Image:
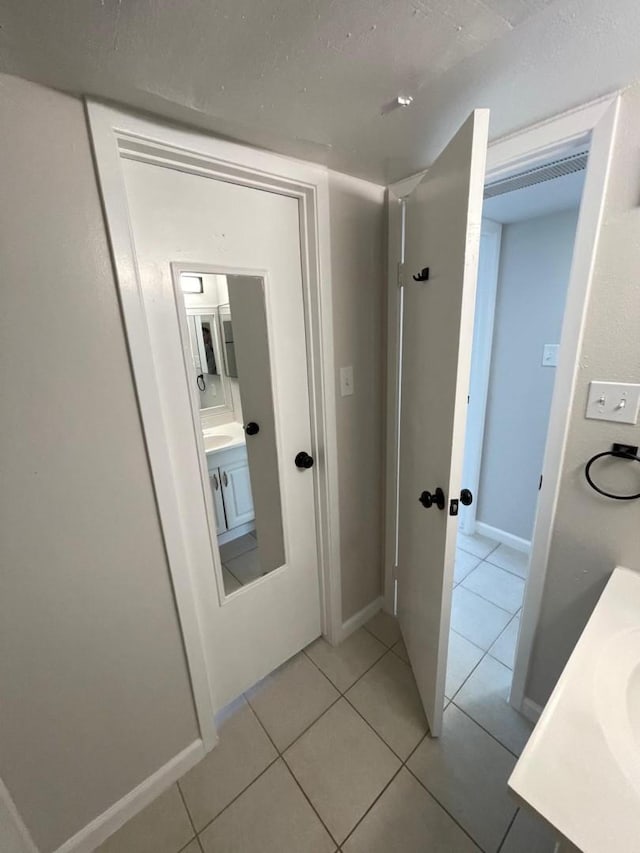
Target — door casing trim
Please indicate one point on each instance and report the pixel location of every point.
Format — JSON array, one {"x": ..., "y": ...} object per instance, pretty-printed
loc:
[
  {"x": 116, "y": 133},
  {"x": 529, "y": 147}
]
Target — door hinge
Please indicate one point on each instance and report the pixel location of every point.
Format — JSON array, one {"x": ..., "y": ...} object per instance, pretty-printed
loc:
[
  {"x": 400, "y": 274},
  {"x": 394, "y": 573},
  {"x": 540, "y": 483}
]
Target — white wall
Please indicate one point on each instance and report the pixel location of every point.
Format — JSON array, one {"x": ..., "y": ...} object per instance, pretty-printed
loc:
[
  {"x": 357, "y": 258},
  {"x": 535, "y": 261},
  {"x": 591, "y": 534},
  {"x": 95, "y": 689}
]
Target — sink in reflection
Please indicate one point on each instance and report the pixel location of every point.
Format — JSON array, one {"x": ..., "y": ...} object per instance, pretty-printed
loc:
[{"x": 214, "y": 442}]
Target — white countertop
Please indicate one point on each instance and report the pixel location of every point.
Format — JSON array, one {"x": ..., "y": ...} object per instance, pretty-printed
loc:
[
  {"x": 223, "y": 437},
  {"x": 580, "y": 769}
]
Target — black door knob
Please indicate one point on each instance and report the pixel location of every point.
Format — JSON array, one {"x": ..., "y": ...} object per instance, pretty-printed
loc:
[
  {"x": 252, "y": 428},
  {"x": 427, "y": 499},
  {"x": 466, "y": 498},
  {"x": 303, "y": 460}
]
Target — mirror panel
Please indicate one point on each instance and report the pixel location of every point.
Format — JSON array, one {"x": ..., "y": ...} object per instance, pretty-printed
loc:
[{"x": 230, "y": 353}]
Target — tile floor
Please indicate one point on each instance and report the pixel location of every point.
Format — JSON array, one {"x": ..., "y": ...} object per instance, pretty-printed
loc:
[
  {"x": 240, "y": 562},
  {"x": 487, "y": 598},
  {"x": 331, "y": 753}
]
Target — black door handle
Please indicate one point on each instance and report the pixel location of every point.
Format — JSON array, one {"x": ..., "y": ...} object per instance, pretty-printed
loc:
[
  {"x": 427, "y": 499},
  {"x": 252, "y": 428},
  {"x": 303, "y": 460},
  {"x": 466, "y": 498}
]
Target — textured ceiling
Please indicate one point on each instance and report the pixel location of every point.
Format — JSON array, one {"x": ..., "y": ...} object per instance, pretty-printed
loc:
[{"x": 312, "y": 78}]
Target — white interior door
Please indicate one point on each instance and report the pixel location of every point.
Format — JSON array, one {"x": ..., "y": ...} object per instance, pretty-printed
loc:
[
  {"x": 443, "y": 220},
  {"x": 187, "y": 219},
  {"x": 488, "y": 266}
]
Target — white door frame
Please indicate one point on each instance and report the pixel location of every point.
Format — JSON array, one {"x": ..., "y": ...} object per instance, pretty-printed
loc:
[
  {"x": 116, "y": 134},
  {"x": 524, "y": 149},
  {"x": 490, "y": 237}
]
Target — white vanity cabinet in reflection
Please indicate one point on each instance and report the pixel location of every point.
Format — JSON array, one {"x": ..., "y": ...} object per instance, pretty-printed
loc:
[{"x": 231, "y": 490}]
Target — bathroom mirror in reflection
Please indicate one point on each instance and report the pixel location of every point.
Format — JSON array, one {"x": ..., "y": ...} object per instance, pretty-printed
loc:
[{"x": 229, "y": 341}]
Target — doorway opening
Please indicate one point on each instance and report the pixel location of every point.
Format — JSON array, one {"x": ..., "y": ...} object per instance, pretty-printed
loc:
[{"x": 526, "y": 249}]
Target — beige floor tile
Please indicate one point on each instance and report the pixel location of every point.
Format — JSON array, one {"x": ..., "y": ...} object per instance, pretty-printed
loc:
[
  {"x": 237, "y": 546},
  {"x": 231, "y": 584},
  {"x": 385, "y": 627},
  {"x": 408, "y": 820},
  {"x": 464, "y": 563},
  {"x": 510, "y": 559},
  {"x": 387, "y": 697},
  {"x": 161, "y": 827},
  {"x": 479, "y": 546},
  {"x": 485, "y": 698},
  {"x": 529, "y": 834},
  {"x": 291, "y": 698},
  {"x": 498, "y": 586},
  {"x": 466, "y": 770},
  {"x": 477, "y": 619},
  {"x": 193, "y": 847},
  {"x": 401, "y": 650},
  {"x": 463, "y": 657},
  {"x": 342, "y": 766},
  {"x": 504, "y": 648},
  {"x": 243, "y": 752},
  {"x": 271, "y": 816},
  {"x": 246, "y": 567},
  {"x": 344, "y": 664}
]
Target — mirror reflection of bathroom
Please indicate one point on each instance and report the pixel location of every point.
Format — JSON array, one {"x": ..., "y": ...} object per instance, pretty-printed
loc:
[{"x": 229, "y": 343}]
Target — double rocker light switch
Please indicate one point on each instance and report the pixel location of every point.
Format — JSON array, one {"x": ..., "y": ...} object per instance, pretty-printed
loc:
[{"x": 614, "y": 401}]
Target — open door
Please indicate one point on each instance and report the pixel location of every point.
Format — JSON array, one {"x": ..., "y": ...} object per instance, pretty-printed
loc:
[{"x": 442, "y": 241}]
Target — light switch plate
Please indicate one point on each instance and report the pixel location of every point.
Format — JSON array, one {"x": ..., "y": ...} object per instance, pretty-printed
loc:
[
  {"x": 550, "y": 355},
  {"x": 613, "y": 401},
  {"x": 346, "y": 381}
]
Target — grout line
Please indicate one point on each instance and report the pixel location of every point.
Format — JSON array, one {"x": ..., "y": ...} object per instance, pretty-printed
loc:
[
  {"x": 479, "y": 648},
  {"x": 488, "y": 600},
  {"x": 486, "y": 731},
  {"x": 306, "y": 796},
  {"x": 496, "y": 566},
  {"x": 508, "y": 571},
  {"x": 358, "y": 678},
  {"x": 188, "y": 844},
  {"x": 286, "y": 764},
  {"x": 476, "y": 555},
  {"x": 376, "y": 733},
  {"x": 376, "y": 637},
  {"x": 359, "y": 821},
  {"x": 237, "y": 797},
  {"x": 186, "y": 807},
  {"x": 513, "y": 820},
  {"x": 442, "y": 806}
]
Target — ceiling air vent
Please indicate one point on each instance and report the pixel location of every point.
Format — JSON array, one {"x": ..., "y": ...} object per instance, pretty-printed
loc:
[{"x": 537, "y": 175}]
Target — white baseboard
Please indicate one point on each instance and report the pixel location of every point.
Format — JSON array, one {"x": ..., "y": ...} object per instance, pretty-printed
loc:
[
  {"x": 531, "y": 710},
  {"x": 358, "y": 619},
  {"x": 503, "y": 537},
  {"x": 94, "y": 833}
]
